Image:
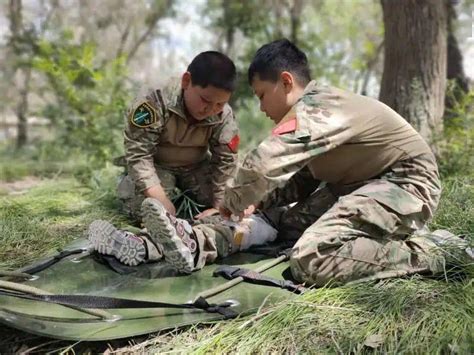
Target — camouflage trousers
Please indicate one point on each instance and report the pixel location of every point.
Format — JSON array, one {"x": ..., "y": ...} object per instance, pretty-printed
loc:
[
  {"x": 195, "y": 179},
  {"x": 344, "y": 233}
]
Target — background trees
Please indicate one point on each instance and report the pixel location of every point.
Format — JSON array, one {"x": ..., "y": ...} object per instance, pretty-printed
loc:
[
  {"x": 77, "y": 63},
  {"x": 414, "y": 76}
]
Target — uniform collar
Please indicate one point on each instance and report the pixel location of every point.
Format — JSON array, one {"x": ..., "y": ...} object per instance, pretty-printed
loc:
[
  {"x": 311, "y": 88},
  {"x": 175, "y": 104},
  {"x": 175, "y": 99}
]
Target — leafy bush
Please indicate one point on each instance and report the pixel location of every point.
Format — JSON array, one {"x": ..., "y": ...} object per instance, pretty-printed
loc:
[
  {"x": 90, "y": 97},
  {"x": 458, "y": 141}
]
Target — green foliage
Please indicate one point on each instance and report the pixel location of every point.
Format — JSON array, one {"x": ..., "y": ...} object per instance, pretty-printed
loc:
[
  {"x": 457, "y": 157},
  {"x": 43, "y": 159},
  {"x": 186, "y": 206},
  {"x": 342, "y": 45},
  {"x": 253, "y": 125},
  {"x": 103, "y": 184},
  {"x": 90, "y": 97}
]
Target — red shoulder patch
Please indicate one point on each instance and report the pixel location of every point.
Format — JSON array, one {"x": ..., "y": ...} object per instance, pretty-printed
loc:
[
  {"x": 234, "y": 143},
  {"x": 287, "y": 127}
]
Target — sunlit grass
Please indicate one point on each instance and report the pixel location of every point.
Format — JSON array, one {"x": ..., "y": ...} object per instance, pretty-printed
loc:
[
  {"x": 404, "y": 315},
  {"x": 411, "y": 315},
  {"x": 47, "y": 217}
]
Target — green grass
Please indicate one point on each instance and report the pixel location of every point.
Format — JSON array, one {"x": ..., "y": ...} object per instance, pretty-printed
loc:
[
  {"x": 396, "y": 316},
  {"x": 456, "y": 208},
  {"x": 48, "y": 217},
  {"x": 411, "y": 315},
  {"x": 41, "y": 160}
]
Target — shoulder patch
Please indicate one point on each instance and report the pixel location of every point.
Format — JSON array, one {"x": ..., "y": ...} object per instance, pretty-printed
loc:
[
  {"x": 234, "y": 143},
  {"x": 287, "y": 127},
  {"x": 143, "y": 116}
]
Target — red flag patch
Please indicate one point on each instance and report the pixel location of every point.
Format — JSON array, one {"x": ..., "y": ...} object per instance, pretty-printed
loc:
[
  {"x": 287, "y": 127},
  {"x": 234, "y": 143}
]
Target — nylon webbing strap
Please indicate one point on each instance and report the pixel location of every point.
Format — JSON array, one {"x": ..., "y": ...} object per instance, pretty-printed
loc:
[
  {"x": 251, "y": 276},
  {"x": 53, "y": 260},
  {"x": 102, "y": 302}
]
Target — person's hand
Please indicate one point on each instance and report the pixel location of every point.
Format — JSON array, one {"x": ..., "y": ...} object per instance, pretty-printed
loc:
[
  {"x": 227, "y": 214},
  {"x": 158, "y": 193},
  {"x": 206, "y": 213},
  {"x": 249, "y": 210},
  {"x": 169, "y": 206}
]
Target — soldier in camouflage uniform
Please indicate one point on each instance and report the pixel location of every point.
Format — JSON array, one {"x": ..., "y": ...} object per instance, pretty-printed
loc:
[
  {"x": 184, "y": 136},
  {"x": 364, "y": 181},
  {"x": 361, "y": 183}
]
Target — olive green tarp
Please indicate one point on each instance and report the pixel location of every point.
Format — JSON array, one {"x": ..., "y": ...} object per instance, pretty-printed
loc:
[{"x": 76, "y": 275}]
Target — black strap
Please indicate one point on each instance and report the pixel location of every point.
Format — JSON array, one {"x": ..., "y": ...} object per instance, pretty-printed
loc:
[
  {"x": 272, "y": 249},
  {"x": 251, "y": 276},
  {"x": 102, "y": 302},
  {"x": 51, "y": 261}
]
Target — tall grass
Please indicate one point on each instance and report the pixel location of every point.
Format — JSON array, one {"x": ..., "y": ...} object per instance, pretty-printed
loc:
[
  {"x": 395, "y": 316},
  {"x": 411, "y": 315},
  {"x": 51, "y": 215}
]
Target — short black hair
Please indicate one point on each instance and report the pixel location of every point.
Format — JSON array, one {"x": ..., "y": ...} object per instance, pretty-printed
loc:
[
  {"x": 213, "y": 68},
  {"x": 275, "y": 57}
]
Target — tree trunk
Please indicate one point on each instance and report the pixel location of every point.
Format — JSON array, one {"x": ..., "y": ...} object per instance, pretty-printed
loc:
[
  {"x": 455, "y": 71},
  {"x": 229, "y": 30},
  {"x": 22, "y": 109},
  {"x": 296, "y": 8},
  {"x": 16, "y": 30},
  {"x": 414, "y": 76}
]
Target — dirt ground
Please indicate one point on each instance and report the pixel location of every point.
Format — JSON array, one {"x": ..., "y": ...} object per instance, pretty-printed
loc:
[{"x": 19, "y": 187}]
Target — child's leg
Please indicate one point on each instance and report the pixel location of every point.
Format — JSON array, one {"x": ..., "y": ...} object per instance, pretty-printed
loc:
[
  {"x": 130, "y": 248},
  {"x": 189, "y": 248},
  {"x": 223, "y": 238}
]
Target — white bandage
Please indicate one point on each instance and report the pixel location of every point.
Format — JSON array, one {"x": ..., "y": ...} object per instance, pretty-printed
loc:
[{"x": 251, "y": 231}]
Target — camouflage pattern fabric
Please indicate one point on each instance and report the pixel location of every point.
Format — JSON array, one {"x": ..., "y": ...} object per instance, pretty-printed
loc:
[
  {"x": 381, "y": 186},
  {"x": 219, "y": 238},
  {"x": 341, "y": 137},
  {"x": 341, "y": 238},
  {"x": 196, "y": 179},
  {"x": 159, "y": 134},
  {"x": 367, "y": 232}
]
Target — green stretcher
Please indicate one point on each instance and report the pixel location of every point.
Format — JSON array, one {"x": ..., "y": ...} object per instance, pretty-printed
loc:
[{"x": 84, "y": 274}]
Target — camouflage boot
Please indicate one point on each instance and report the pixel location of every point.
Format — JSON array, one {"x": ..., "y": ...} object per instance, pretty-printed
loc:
[
  {"x": 130, "y": 249},
  {"x": 173, "y": 234}
]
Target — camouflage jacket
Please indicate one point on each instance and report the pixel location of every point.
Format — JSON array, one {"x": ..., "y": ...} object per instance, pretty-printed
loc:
[
  {"x": 341, "y": 137},
  {"x": 158, "y": 132}
]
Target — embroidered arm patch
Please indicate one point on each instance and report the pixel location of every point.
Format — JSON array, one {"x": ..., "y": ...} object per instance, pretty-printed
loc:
[
  {"x": 234, "y": 143},
  {"x": 143, "y": 116}
]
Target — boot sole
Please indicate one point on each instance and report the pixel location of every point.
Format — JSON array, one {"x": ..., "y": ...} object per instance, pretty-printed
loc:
[
  {"x": 108, "y": 240},
  {"x": 159, "y": 226}
]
